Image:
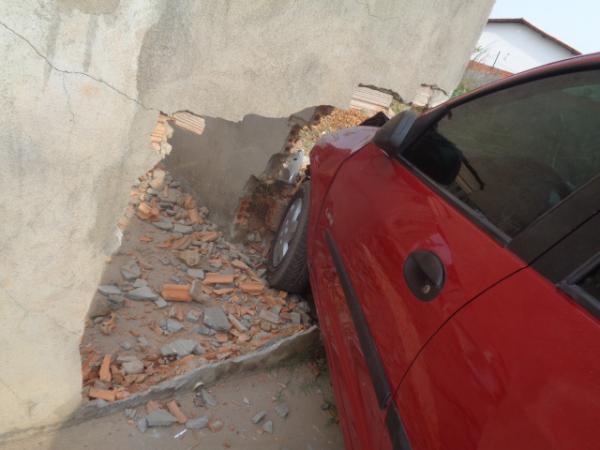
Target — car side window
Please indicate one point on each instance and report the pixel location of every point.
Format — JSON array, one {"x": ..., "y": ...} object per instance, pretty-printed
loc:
[{"x": 514, "y": 154}]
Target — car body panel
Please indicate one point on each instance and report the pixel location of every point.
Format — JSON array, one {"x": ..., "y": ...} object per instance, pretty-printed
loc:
[
  {"x": 364, "y": 211},
  {"x": 517, "y": 368},
  {"x": 497, "y": 359}
]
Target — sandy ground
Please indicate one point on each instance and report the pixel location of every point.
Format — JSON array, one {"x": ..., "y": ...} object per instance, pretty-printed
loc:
[{"x": 311, "y": 423}]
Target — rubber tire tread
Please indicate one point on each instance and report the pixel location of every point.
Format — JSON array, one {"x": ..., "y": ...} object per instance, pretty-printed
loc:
[{"x": 292, "y": 273}]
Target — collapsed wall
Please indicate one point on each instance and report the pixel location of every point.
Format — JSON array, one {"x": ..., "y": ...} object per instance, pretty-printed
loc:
[{"x": 82, "y": 83}]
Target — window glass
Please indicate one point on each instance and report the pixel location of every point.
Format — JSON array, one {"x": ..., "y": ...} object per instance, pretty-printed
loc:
[{"x": 514, "y": 154}]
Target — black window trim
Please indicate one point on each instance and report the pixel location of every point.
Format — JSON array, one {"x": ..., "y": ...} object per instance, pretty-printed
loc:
[
  {"x": 520, "y": 243},
  {"x": 570, "y": 285}
]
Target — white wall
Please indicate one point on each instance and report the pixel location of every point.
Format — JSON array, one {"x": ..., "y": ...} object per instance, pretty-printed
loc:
[{"x": 515, "y": 47}]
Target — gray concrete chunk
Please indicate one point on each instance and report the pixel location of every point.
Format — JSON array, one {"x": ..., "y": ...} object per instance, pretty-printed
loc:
[
  {"x": 258, "y": 417},
  {"x": 269, "y": 316},
  {"x": 140, "y": 282},
  {"x": 160, "y": 418},
  {"x": 161, "y": 303},
  {"x": 131, "y": 270},
  {"x": 268, "y": 427},
  {"x": 183, "y": 229},
  {"x": 196, "y": 273},
  {"x": 180, "y": 348},
  {"x": 133, "y": 366},
  {"x": 208, "y": 399},
  {"x": 109, "y": 289},
  {"x": 163, "y": 224},
  {"x": 282, "y": 409},
  {"x": 215, "y": 318},
  {"x": 198, "y": 423},
  {"x": 142, "y": 293},
  {"x": 142, "y": 425},
  {"x": 171, "y": 325},
  {"x": 205, "y": 331}
]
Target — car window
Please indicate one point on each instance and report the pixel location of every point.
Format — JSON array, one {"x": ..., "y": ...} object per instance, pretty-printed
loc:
[{"x": 516, "y": 153}]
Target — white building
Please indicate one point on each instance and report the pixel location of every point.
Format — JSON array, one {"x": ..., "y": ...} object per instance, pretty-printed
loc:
[{"x": 514, "y": 45}]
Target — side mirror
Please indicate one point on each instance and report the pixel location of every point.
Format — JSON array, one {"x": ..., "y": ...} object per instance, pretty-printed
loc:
[{"x": 391, "y": 135}]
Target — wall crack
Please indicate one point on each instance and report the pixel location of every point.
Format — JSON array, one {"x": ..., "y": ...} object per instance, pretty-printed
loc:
[{"x": 75, "y": 72}]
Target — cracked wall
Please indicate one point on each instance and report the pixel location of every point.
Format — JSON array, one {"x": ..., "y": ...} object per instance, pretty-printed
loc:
[{"x": 81, "y": 85}]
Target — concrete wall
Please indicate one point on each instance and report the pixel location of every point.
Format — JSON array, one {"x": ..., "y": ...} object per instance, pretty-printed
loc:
[{"x": 81, "y": 83}]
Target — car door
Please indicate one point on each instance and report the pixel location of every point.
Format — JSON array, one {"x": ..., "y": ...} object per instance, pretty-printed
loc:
[
  {"x": 413, "y": 240},
  {"x": 518, "y": 367}
]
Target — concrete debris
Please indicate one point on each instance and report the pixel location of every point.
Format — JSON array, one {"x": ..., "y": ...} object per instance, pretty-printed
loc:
[
  {"x": 205, "y": 331},
  {"x": 109, "y": 289},
  {"x": 181, "y": 348},
  {"x": 160, "y": 418},
  {"x": 171, "y": 325},
  {"x": 142, "y": 424},
  {"x": 142, "y": 293},
  {"x": 172, "y": 255},
  {"x": 130, "y": 413},
  {"x": 133, "y": 366},
  {"x": 157, "y": 181},
  {"x": 131, "y": 270},
  {"x": 215, "y": 425},
  {"x": 163, "y": 224},
  {"x": 258, "y": 417},
  {"x": 268, "y": 427},
  {"x": 183, "y": 229},
  {"x": 196, "y": 273},
  {"x": 207, "y": 398},
  {"x": 282, "y": 409},
  {"x": 215, "y": 318},
  {"x": 269, "y": 316},
  {"x": 161, "y": 303},
  {"x": 190, "y": 257},
  {"x": 193, "y": 316},
  {"x": 140, "y": 282},
  {"x": 198, "y": 423}
]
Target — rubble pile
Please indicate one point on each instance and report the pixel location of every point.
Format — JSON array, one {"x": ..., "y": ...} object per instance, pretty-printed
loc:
[{"x": 176, "y": 296}]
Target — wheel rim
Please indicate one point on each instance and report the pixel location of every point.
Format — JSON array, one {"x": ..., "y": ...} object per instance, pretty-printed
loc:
[{"x": 287, "y": 231}]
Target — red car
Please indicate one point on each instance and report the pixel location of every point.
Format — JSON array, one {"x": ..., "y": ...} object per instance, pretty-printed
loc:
[{"x": 454, "y": 259}]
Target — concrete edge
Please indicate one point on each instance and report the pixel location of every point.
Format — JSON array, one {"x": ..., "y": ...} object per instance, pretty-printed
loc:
[{"x": 270, "y": 355}]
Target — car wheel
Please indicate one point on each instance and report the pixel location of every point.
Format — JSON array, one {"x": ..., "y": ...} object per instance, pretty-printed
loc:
[{"x": 287, "y": 267}]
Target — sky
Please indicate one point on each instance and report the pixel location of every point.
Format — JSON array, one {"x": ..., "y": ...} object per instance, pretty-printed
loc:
[{"x": 575, "y": 22}]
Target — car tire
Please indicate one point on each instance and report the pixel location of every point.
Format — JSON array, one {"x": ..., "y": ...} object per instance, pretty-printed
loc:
[{"x": 287, "y": 266}]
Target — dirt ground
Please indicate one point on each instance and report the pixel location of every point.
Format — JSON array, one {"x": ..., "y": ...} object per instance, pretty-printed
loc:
[{"x": 303, "y": 387}]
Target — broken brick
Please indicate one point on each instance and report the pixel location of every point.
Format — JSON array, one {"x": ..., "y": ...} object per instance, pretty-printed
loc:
[
  {"x": 217, "y": 278},
  {"x": 152, "y": 405},
  {"x": 147, "y": 212},
  {"x": 174, "y": 409},
  {"x": 176, "y": 292},
  {"x": 252, "y": 287},
  {"x": 104, "y": 394},
  {"x": 194, "y": 216},
  {"x": 239, "y": 264},
  {"x": 206, "y": 236},
  {"x": 104, "y": 372}
]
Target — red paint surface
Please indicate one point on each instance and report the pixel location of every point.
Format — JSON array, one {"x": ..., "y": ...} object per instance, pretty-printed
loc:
[
  {"x": 516, "y": 369},
  {"x": 378, "y": 213},
  {"x": 500, "y": 360}
]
